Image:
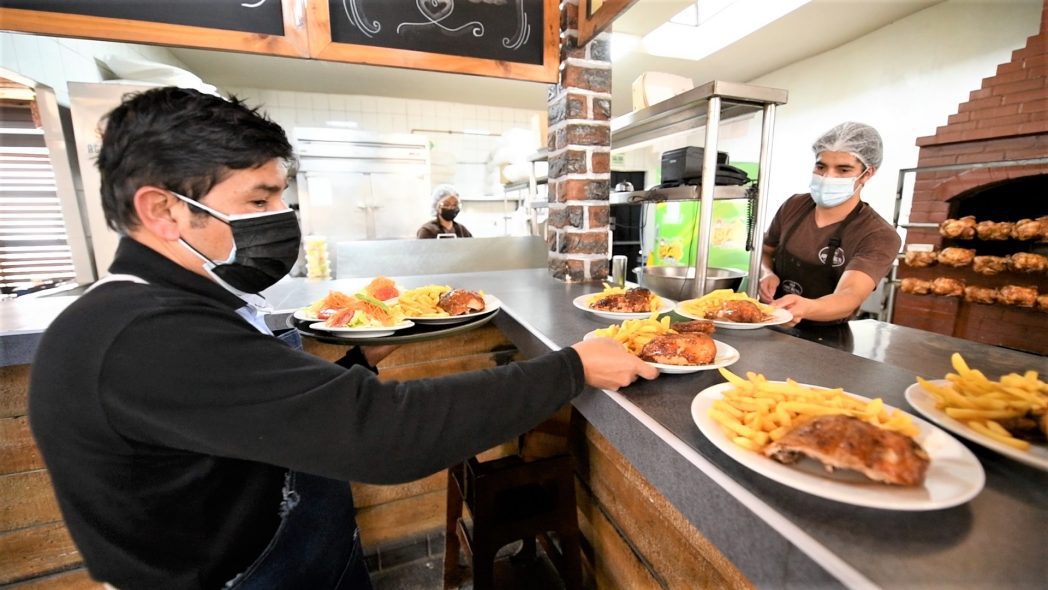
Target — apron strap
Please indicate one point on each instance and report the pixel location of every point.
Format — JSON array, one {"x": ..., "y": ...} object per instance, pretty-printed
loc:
[{"x": 835, "y": 241}]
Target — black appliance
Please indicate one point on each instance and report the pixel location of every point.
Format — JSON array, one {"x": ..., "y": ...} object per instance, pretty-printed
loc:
[
  {"x": 626, "y": 221},
  {"x": 685, "y": 163}
]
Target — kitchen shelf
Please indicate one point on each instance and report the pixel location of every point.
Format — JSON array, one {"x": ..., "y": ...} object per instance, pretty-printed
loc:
[
  {"x": 677, "y": 193},
  {"x": 690, "y": 110},
  {"x": 705, "y": 107}
]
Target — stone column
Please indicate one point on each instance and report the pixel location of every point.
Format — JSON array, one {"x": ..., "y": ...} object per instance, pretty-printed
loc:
[{"x": 579, "y": 144}]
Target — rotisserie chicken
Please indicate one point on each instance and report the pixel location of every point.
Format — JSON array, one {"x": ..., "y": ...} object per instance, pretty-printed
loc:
[
  {"x": 956, "y": 256},
  {"x": 634, "y": 300},
  {"x": 990, "y": 265},
  {"x": 915, "y": 286},
  {"x": 689, "y": 348},
  {"x": 948, "y": 287},
  {"x": 1028, "y": 262},
  {"x": 1017, "y": 295},
  {"x": 987, "y": 295},
  {"x": 843, "y": 442},
  {"x": 963, "y": 228},
  {"x": 700, "y": 326},
  {"x": 1042, "y": 305},
  {"x": 460, "y": 302},
  {"x": 1031, "y": 229},
  {"x": 743, "y": 312},
  {"x": 994, "y": 230},
  {"x": 920, "y": 259}
]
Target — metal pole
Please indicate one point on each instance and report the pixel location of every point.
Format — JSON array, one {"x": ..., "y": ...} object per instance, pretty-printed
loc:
[
  {"x": 763, "y": 174},
  {"x": 709, "y": 178}
]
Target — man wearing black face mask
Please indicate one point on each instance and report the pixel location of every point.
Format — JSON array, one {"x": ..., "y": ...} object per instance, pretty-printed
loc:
[
  {"x": 446, "y": 204},
  {"x": 191, "y": 448}
]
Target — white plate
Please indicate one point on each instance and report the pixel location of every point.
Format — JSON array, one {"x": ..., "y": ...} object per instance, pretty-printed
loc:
[
  {"x": 368, "y": 332},
  {"x": 491, "y": 303},
  {"x": 779, "y": 316},
  {"x": 665, "y": 306},
  {"x": 953, "y": 477},
  {"x": 924, "y": 402},
  {"x": 726, "y": 355}
]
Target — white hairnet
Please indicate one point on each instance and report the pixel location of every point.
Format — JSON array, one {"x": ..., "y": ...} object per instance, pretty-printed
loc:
[
  {"x": 441, "y": 191},
  {"x": 857, "y": 139}
]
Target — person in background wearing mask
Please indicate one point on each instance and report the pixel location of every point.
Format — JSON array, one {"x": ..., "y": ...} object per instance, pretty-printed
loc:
[
  {"x": 825, "y": 251},
  {"x": 446, "y": 205},
  {"x": 190, "y": 447}
]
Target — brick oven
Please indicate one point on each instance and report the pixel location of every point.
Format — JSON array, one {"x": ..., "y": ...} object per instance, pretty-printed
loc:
[{"x": 995, "y": 149}]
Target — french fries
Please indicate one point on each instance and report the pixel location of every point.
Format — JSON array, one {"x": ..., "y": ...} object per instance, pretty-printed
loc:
[
  {"x": 422, "y": 301},
  {"x": 982, "y": 404},
  {"x": 653, "y": 299},
  {"x": 756, "y": 411},
  {"x": 634, "y": 334},
  {"x": 714, "y": 300}
]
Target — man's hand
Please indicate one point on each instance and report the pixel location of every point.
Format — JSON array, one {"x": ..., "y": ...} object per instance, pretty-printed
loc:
[
  {"x": 767, "y": 286},
  {"x": 609, "y": 366},
  {"x": 799, "y": 306}
]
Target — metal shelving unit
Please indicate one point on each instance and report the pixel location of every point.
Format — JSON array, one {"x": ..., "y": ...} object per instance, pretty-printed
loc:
[{"x": 706, "y": 106}]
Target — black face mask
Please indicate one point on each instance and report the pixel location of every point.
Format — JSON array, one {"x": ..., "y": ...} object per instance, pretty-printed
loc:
[
  {"x": 265, "y": 247},
  {"x": 449, "y": 214}
]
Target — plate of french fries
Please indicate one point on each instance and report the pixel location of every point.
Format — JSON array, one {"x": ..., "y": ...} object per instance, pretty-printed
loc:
[
  {"x": 633, "y": 334},
  {"x": 710, "y": 303},
  {"x": 420, "y": 306},
  {"x": 1004, "y": 415},
  {"x": 746, "y": 413}
]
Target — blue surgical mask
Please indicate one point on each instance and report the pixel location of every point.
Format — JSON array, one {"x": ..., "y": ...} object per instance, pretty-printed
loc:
[{"x": 829, "y": 191}]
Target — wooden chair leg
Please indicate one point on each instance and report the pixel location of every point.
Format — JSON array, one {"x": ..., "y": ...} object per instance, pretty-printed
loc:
[{"x": 452, "y": 575}]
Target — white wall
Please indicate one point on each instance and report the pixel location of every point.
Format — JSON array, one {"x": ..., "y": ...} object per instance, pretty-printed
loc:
[
  {"x": 54, "y": 61},
  {"x": 904, "y": 79}
]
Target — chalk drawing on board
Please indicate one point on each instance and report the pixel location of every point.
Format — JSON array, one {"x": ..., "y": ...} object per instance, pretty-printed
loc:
[
  {"x": 523, "y": 31},
  {"x": 435, "y": 11},
  {"x": 357, "y": 18}
]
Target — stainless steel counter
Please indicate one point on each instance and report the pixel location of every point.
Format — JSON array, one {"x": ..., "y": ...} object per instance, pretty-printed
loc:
[{"x": 777, "y": 536}]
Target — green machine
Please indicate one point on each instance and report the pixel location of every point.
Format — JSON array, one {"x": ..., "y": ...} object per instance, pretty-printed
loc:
[{"x": 676, "y": 231}]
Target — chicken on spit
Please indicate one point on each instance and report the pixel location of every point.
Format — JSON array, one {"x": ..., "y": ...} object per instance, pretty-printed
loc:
[
  {"x": 919, "y": 259},
  {"x": 1042, "y": 305},
  {"x": 994, "y": 230},
  {"x": 915, "y": 286},
  {"x": 956, "y": 256},
  {"x": 1031, "y": 229},
  {"x": 990, "y": 265},
  {"x": 963, "y": 228},
  {"x": 1028, "y": 262},
  {"x": 987, "y": 295},
  {"x": 948, "y": 287},
  {"x": 1017, "y": 295}
]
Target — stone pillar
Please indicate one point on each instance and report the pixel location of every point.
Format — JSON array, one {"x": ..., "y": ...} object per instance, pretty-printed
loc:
[{"x": 579, "y": 144}]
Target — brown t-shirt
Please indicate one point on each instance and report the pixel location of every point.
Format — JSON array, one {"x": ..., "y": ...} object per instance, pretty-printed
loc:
[
  {"x": 431, "y": 229},
  {"x": 869, "y": 243}
]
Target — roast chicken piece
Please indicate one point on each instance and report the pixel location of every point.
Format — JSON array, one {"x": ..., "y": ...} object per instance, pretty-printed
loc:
[
  {"x": 994, "y": 230},
  {"x": 1031, "y": 229},
  {"x": 461, "y": 301},
  {"x": 689, "y": 348},
  {"x": 843, "y": 442},
  {"x": 956, "y": 256},
  {"x": 948, "y": 287},
  {"x": 743, "y": 312},
  {"x": 919, "y": 259},
  {"x": 1042, "y": 305},
  {"x": 990, "y": 265},
  {"x": 1017, "y": 295},
  {"x": 1028, "y": 262},
  {"x": 973, "y": 294},
  {"x": 915, "y": 286},
  {"x": 700, "y": 326},
  {"x": 963, "y": 228},
  {"x": 634, "y": 300}
]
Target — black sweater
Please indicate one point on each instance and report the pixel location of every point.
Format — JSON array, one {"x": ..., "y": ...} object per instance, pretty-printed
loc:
[{"x": 167, "y": 423}]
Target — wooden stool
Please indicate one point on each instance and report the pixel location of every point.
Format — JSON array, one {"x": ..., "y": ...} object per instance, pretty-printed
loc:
[{"x": 511, "y": 500}]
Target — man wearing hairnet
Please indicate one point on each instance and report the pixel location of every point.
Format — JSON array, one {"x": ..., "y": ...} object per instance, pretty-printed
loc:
[
  {"x": 446, "y": 206},
  {"x": 825, "y": 251}
]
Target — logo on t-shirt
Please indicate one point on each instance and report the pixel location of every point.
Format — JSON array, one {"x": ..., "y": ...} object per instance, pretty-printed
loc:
[
  {"x": 838, "y": 256},
  {"x": 794, "y": 287}
]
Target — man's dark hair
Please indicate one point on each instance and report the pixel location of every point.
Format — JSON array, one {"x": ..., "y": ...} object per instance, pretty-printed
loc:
[{"x": 181, "y": 140}]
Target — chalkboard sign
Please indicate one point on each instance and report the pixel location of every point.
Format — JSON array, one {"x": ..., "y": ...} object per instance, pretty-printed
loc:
[
  {"x": 248, "y": 16},
  {"x": 510, "y": 30}
]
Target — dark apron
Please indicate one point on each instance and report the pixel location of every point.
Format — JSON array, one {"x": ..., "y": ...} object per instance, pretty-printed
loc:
[
  {"x": 809, "y": 280},
  {"x": 317, "y": 544}
]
